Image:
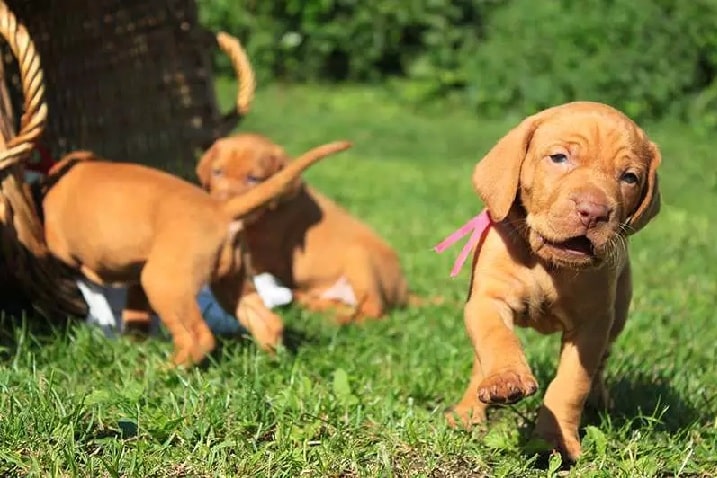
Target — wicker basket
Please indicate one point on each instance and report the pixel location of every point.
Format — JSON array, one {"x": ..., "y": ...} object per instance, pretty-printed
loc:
[{"x": 129, "y": 79}]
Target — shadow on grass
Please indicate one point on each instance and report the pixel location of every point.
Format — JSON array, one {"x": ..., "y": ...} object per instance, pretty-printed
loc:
[
  {"x": 126, "y": 429},
  {"x": 22, "y": 327},
  {"x": 294, "y": 340},
  {"x": 639, "y": 402}
]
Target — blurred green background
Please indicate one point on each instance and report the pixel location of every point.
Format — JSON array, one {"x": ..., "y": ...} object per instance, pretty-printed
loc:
[{"x": 651, "y": 58}]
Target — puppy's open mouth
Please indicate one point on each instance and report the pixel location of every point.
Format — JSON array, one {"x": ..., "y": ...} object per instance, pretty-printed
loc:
[{"x": 578, "y": 245}]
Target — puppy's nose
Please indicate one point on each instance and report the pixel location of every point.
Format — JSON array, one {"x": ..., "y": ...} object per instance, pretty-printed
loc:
[{"x": 592, "y": 210}]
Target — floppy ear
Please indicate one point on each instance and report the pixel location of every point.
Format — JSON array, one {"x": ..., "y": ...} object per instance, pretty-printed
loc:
[
  {"x": 277, "y": 161},
  {"x": 274, "y": 161},
  {"x": 496, "y": 176},
  {"x": 651, "y": 202},
  {"x": 204, "y": 167}
]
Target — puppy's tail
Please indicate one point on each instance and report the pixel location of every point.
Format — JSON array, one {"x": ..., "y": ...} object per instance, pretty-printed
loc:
[
  {"x": 243, "y": 69},
  {"x": 69, "y": 160},
  {"x": 280, "y": 182}
]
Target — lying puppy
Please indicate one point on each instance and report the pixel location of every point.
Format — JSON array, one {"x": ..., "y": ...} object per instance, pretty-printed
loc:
[
  {"x": 563, "y": 191},
  {"x": 327, "y": 257},
  {"x": 130, "y": 224}
]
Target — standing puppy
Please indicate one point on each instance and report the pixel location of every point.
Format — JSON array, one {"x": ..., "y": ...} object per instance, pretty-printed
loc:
[
  {"x": 326, "y": 256},
  {"x": 563, "y": 190},
  {"x": 127, "y": 224}
]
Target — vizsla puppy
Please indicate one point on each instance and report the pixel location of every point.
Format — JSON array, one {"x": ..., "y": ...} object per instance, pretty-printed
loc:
[
  {"x": 563, "y": 191},
  {"x": 128, "y": 224},
  {"x": 327, "y": 257}
]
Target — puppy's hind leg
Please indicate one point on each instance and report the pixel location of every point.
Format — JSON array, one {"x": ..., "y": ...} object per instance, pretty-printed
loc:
[
  {"x": 172, "y": 294},
  {"x": 136, "y": 314},
  {"x": 365, "y": 282},
  {"x": 265, "y": 326},
  {"x": 470, "y": 410}
]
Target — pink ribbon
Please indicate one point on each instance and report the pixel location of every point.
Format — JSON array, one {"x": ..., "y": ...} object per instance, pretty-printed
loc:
[{"x": 479, "y": 226}]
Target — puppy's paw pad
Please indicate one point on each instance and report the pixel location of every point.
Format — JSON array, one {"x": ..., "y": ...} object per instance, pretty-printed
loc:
[{"x": 507, "y": 387}]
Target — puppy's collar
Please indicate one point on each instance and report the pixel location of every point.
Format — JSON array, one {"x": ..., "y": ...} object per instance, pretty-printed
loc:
[{"x": 479, "y": 226}]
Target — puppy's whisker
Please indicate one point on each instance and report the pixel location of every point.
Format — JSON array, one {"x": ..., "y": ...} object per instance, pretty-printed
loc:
[
  {"x": 616, "y": 248},
  {"x": 627, "y": 228},
  {"x": 609, "y": 250}
]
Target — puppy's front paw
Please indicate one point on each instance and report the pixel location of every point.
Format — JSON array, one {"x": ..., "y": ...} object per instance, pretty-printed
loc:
[
  {"x": 508, "y": 386},
  {"x": 268, "y": 334},
  {"x": 268, "y": 331},
  {"x": 266, "y": 327},
  {"x": 565, "y": 443},
  {"x": 465, "y": 416},
  {"x": 182, "y": 358},
  {"x": 561, "y": 434}
]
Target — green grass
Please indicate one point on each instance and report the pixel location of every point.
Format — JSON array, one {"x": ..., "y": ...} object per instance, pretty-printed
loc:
[{"x": 368, "y": 400}]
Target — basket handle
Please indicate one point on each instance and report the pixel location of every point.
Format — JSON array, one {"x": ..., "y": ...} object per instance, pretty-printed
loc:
[
  {"x": 245, "y": 74},
  {"x": 34, "y": 114}
]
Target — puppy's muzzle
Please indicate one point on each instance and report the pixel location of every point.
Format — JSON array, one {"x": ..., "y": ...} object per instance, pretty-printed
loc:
[{"x": 592, "y": 208}]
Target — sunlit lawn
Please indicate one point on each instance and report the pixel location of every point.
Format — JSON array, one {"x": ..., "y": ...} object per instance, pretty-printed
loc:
[{"x": 368, "y": 400}]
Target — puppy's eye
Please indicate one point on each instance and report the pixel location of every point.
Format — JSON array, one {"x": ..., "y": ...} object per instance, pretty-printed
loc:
[
  {"x": 558, "y": 158},
  {"x": 629, "y": 178},
  {"x": 216, "y": 172},
  {"x": 251, "y": 179}
]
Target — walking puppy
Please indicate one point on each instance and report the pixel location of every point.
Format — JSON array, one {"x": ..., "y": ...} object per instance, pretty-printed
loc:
[
  {"x": 128, "y": 224},
  {"x": 327, "y": 257},
  {"x": 563, "y": 191}
]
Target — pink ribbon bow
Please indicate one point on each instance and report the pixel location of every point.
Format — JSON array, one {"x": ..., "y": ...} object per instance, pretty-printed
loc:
[{"x": 479, "y": 226}]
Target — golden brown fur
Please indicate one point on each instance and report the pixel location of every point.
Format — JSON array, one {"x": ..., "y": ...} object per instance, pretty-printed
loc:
[
  {"x": 129, "y": 224},
  {"x": 564, "y": 188},
  {"x": 307, "y": 241}
]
